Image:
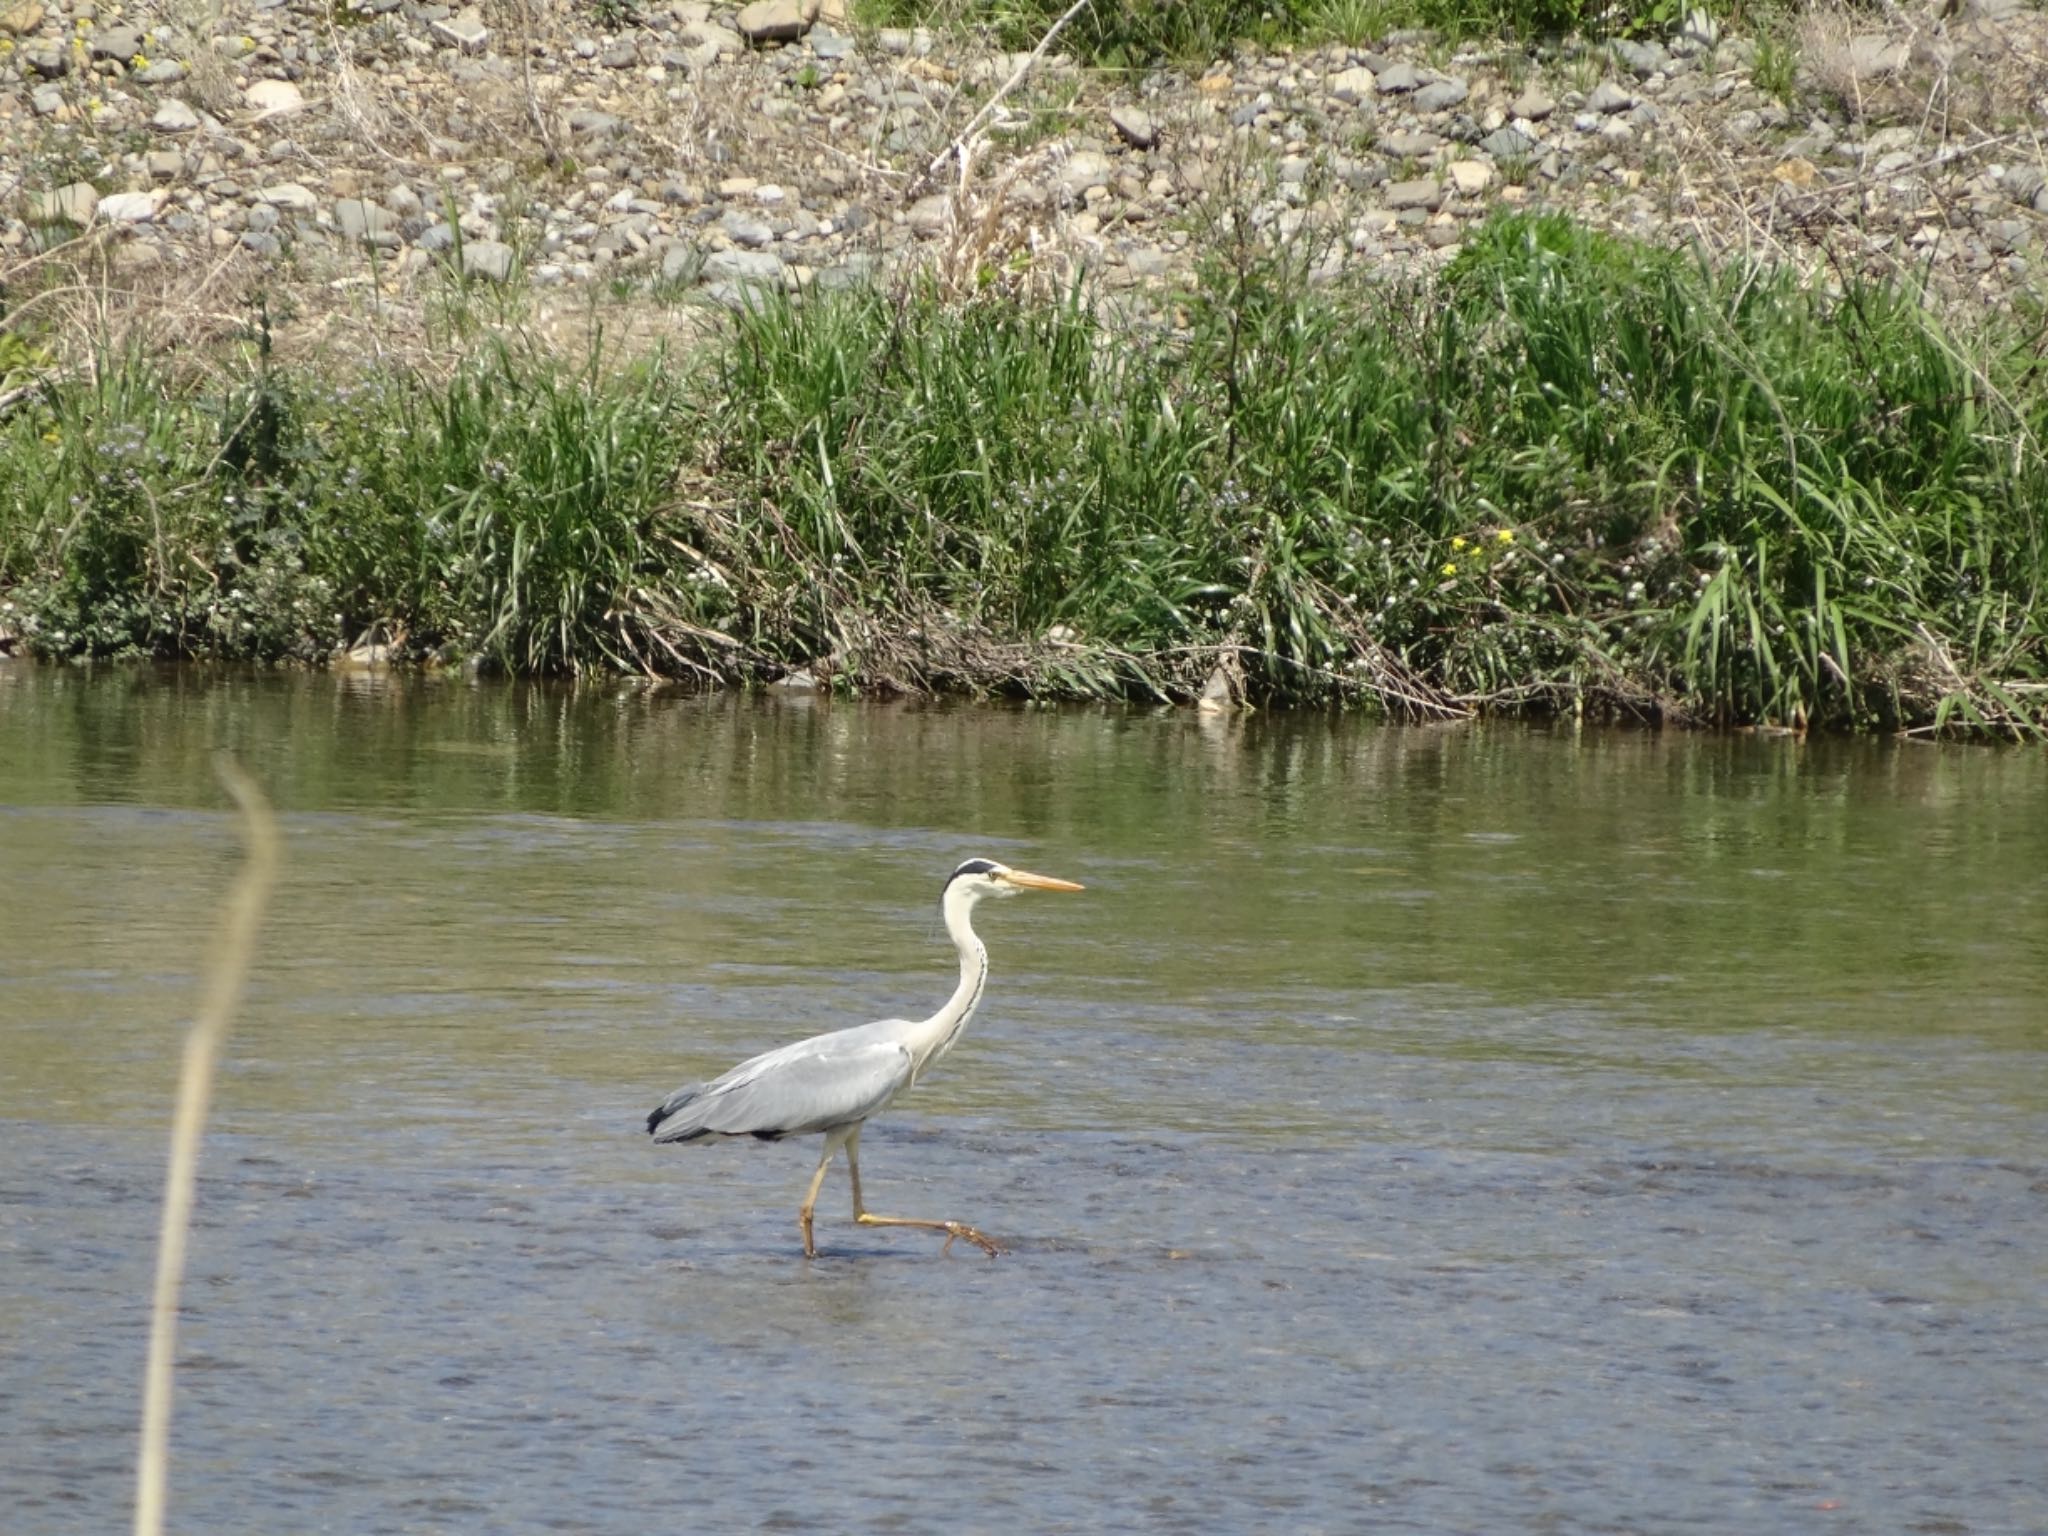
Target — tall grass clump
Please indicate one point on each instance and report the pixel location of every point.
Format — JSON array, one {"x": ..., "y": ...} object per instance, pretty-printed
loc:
[
  {"x": 506, "y": 513},
  {"x": 1579, "y": 469},
  {"x": 1571, "y": 471},
  {"x": 1138, "y": 34}
]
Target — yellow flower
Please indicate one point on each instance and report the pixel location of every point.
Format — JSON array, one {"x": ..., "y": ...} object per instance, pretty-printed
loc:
[
  {"x": 1451, "y": 569},
  {"x": 1458, "y": 543},
  {"x": 1506, "y": 535},
  {"x": 140, "y": 61},
  {"x": 53, "y": 438}
]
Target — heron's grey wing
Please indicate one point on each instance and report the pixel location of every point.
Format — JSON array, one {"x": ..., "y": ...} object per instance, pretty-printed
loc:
[{"x": 813, "y": 1085}]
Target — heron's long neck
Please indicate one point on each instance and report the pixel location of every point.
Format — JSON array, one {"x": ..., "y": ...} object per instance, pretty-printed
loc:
[{"x": 936, "y": 1035}]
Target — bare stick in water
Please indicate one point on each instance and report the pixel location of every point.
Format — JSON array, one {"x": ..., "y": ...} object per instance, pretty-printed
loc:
[{"x": 224, "y": 980}]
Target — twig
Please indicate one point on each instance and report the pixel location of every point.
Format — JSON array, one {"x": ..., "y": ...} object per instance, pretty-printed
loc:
[
  {"x": 988, "y": 107},
  {"x": 225, "y": 978}
]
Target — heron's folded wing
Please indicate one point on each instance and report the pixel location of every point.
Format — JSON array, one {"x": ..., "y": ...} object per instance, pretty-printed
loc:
[{"x": 811, "y": 1086}]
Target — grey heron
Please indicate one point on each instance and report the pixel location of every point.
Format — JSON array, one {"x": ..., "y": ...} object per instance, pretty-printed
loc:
[{"x": 835, "y": 1083}]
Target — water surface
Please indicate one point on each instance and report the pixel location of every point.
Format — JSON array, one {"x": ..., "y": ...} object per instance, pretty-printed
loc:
[{"x": 1453, "y": 1130}]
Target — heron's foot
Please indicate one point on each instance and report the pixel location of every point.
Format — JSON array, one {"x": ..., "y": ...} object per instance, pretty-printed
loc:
[
  {"x": 954, "y": 1230},
  {"x": 810, "y": 1248}
]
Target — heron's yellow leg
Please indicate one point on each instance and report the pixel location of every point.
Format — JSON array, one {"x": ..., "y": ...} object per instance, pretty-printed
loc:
[
  {"x": 803, "y": 1214},
  {"x": 867, "y": 1218}
]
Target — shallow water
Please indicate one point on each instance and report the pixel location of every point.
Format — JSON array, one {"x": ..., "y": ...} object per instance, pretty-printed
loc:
[{"x": 1487, "y": 1129}]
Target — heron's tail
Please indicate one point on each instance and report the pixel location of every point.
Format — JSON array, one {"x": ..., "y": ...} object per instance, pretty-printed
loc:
[{"x": 668, "y": 1109}]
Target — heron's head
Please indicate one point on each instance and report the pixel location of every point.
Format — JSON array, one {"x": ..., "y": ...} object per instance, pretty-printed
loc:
[{"x": 985, "y": 877}]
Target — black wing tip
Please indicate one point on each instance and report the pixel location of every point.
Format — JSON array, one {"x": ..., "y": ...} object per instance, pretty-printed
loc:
[{"x": 654, "y": 1120}]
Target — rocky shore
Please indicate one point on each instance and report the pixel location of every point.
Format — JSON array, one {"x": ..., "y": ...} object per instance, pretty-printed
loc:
[{"x": 365, "y": 157}]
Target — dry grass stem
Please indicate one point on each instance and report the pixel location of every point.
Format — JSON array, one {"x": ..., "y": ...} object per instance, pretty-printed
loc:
[{"x": 224, "y": 982}]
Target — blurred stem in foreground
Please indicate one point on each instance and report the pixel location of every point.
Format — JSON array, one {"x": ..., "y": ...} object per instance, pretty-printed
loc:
[{"x": 224, "y": 981}]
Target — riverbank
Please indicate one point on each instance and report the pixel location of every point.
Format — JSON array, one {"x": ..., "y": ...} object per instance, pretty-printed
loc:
[{"x": 1337, "y": 391}]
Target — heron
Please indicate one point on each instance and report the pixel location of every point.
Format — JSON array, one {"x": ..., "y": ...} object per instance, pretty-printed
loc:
[{"x": 835, "y": 1083}]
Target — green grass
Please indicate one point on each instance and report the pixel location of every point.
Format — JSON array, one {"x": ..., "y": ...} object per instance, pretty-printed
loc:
[
  {"x": 1577, "y": 472},
  {"x": 1137, "y": 34}
]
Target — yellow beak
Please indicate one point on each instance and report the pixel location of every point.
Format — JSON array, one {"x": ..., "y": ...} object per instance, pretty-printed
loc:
[{"x": 1037, "y": 882}]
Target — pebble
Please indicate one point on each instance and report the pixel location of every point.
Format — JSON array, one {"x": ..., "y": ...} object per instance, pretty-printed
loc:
[
  {"x": 490, "y": 260},
  {"x": 174, "y": 117},
  {"x": 711, "y": 147}
]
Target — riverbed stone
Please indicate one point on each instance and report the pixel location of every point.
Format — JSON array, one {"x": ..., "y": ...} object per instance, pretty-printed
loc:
[
  {"x": 1135, "y": 126},
  {"x": 118, "y": 43},
  {"x": 73, "y": 204},
  {"x": 1609, "y": 97},
  {"x": 491, "y": 260},
  {"x": 131, "y": 207},
  {"x": 1440, "y": 96},
  {"x": 1354, "y": 85},
  {"x": 1411, "y": 194},
  {"x": 290, "y": 197},
  {"x": 174, "y": 117},
  {"x": 359, "y": 219},
  {"x": 775, "y": 21},
  {"x": 274, "y": 98},
  {"x": 465, "y": 30}
]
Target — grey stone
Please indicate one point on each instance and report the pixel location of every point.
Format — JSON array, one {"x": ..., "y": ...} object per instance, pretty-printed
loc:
[
  {"x": 162, "y": 72},
  {"x": 1609, "y": 97},
  {"x": 130, "y": 207},
  {"x": 174, "y": 117},
  {"x": 1440, "y": 97},
  {"x": 1085, "y": 168},
  {"x": 1508, "y": 144},
  {"x": 1641, "y": 59},
  {"x": 775, "y": 21},
  {"x": 589, "y": 123},
  {"x": 1353, "y": 85},
  {"x": 164, "y": 164},
  {"x": 464, "y": 30},
  {"x": 121, "y": 43},
  {"x": 620, "y": 54},
  {"x": 291, "y": 197},
  {"x": 1398, "y": 79},
  {"x": 827, "y": 44},
  {"x": 73, "y": 204},
  {"x": 745, "y": 229},
  {"x": 2005, "y": 236},
  {"x": 744, "y": 267},
  {"x": 682, "y": 264},
  {"x": 928, "y": 215},
  {"x": 490, "y": 260},
  {"x": 50, "y": 63},
  {"x": 2024, "y": 184},
  {"x": 1872, "y": 56},
  {"x": 359, "y": 219},
  {"x": 261, "y": 218},
  {"x": 1410, "y": 146},
  {"x": 437, "y": 238},
  {"x": 1412, "y": 194},
  {"x": 1532, "y": 104},
  {"x": 1148, "y": 261},
  {"x": 46, "y": 100},
  {"x": 262, "y": 243},
  {"x": 1135, "y": 125}
]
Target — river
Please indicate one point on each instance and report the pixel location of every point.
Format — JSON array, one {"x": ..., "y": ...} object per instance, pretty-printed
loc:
[{"x": 1485, "y": 1129}]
